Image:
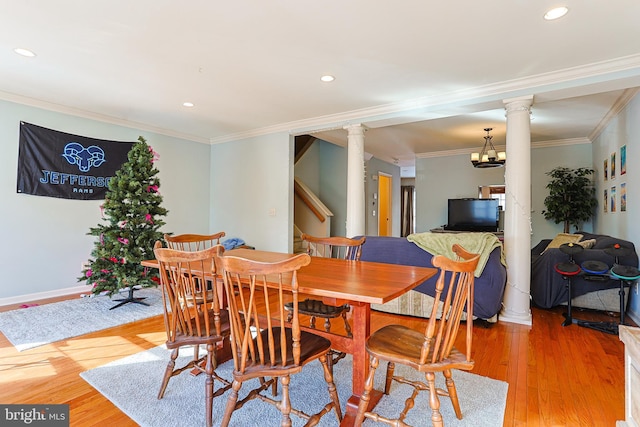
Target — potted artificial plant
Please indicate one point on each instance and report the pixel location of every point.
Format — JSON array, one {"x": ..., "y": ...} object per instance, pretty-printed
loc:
[{"x": 571, "y": 198}]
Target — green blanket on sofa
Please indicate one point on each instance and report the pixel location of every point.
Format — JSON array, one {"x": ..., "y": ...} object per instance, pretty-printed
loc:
[{"x": 477, "y": 243}]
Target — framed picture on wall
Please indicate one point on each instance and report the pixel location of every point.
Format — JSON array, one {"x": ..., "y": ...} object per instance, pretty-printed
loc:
[
  {"x": 623, "y": 196},
  {"x": 612, "y": 195},
  {"x": 623, "y": 160},
  {"x": 606, "y": 200},
  {"x": 606, "y": 172},
  {"x": 613, "y": 165}
]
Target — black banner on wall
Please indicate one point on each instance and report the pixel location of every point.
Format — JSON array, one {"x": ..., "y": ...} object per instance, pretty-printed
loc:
[{"x": 58, "y": 164}]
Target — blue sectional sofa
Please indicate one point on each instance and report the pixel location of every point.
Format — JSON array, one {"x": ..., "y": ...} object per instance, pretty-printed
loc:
[{"x": 489, "y": 287}]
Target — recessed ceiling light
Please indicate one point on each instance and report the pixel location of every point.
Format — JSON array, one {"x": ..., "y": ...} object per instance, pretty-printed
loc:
[
  {"x": 327, "y": 78},
  {"x": 24, "y": 52},
  {"x": 187, "y": 104},
  {"x": 555, "y": 13}
]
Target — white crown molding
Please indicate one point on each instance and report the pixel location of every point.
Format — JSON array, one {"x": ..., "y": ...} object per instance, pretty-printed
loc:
[
  {"x": 498, "y": 91},
  {"x": 539, "y": 144},
  {"x": 560, "y": 142},
  {"x": 616, "y": 108},
  {"x": 58, "y": 108}
]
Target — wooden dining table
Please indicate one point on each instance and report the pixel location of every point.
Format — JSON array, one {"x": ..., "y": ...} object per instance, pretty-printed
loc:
[{"x": 357, "y": 283}]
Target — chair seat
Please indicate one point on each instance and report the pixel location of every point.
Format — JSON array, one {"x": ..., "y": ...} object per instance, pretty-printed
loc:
[
  {"x": 314, "y": 346},
  {"x": 399, "y": 344},
  {"x": 182, "y": 338},
  {"x": 312, "y": 307},
  {"x": 200, "y": 297}
]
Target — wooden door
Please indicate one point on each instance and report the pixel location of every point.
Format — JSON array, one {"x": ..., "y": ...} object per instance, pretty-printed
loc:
[{"x": 384, "y": 205}]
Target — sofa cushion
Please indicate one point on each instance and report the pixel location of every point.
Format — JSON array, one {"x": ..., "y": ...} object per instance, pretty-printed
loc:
[
  {"x": 587, "y": 244},
  {"x": 561, "y": 239},
  {"x": 604, "y": 241}
]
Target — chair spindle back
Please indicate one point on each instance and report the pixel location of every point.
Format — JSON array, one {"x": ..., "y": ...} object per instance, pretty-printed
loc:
[
  {"x": 334, "y": 247},
  {"x": 189, "y": 310},
  {"x": 193, "y": 242},
  {"x": 256, "y": 293},
  {"x": 456, "y": 281}
]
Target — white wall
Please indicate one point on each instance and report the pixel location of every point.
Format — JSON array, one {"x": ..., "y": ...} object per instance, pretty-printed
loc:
[
  {"x": 235, "y": 186},
  {"x": 543, "y": 160},
  {"x": 441, "y": 178},
  {"x": 333, "y": 184},
  {"x": 374, "y": 167},
  {"x": 45, "y": 238},
  {"x": 624, "y": 129},
  {"x": 251, "y": 179},
  {"x": 307, "y": 169},
  {"x": 324, "y": 166}
]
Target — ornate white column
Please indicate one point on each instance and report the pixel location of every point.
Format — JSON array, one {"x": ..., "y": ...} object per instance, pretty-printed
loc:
[
  {"x": 517, "y": 222},
  {"x": 356, "y": 213}
]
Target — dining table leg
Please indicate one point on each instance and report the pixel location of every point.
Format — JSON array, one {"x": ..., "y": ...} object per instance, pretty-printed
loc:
[{"x": 361, "y": 329}]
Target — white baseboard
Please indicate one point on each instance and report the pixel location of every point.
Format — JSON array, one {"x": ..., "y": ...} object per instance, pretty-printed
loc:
[
  {"x": 512, "y": 317},
  {"x": 43, "y": 295},
  {"x": 634, "y": 316}
]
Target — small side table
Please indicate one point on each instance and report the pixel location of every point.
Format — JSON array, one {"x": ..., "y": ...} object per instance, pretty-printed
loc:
[{"x": 630, "y": 336}]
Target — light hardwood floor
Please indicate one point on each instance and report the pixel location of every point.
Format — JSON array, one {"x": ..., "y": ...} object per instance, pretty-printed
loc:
[{"x": 558, "y": 376}]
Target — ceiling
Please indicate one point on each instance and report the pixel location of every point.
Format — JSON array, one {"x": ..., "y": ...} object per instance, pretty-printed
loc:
[{"x": 423, "y": 76}]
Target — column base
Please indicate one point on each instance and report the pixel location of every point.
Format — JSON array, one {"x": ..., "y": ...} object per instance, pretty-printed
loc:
[{"x": 512, "y": 317}]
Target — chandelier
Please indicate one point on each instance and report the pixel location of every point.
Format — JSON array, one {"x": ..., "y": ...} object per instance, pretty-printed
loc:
[{"x": 488, "y": 157}]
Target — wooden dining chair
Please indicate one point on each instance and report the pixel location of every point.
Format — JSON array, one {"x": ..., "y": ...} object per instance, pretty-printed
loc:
[
  {"x": 193, "y": 242},
  {"x": 430, "y": 351},
  {"x": 264, "y": 345},
  {"x": 329, "y": 247},
  {"x": 192, "y": 317}
]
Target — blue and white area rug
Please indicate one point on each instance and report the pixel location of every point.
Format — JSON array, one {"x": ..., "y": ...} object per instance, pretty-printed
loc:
[
  {"x": 132, "y": 384},
  {"x": 38, "y": 325}
]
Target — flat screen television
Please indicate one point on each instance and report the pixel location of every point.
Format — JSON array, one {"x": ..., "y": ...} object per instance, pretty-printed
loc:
[{"x": 473, "y": 215}]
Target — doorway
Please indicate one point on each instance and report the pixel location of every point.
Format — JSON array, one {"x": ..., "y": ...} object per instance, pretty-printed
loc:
[{"x": 384, "y": 204}]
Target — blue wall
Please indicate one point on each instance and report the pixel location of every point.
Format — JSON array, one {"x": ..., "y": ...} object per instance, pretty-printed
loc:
[
  {"x": 623, "y": 130},
  {"x": 48, "y": 236}
]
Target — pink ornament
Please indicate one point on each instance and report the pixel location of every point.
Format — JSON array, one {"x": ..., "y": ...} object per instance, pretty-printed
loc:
[
  {"x": 148, "y": 218},
  {"x": 123, "y": 240},
  {"x": 88, "y": 273},
  {"x": 156, "y": 156}
]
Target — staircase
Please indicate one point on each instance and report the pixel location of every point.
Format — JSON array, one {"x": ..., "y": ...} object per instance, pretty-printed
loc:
[{"x": 311, "y": 216}]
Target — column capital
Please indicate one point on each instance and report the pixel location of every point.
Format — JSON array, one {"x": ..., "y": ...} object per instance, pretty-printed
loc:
[
  {"x": 522, "y": 103},
  {"x": 355, "y": 129}
]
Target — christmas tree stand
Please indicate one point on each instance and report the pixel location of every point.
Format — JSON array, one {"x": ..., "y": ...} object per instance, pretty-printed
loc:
[{"x": 128, "y": 299}]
